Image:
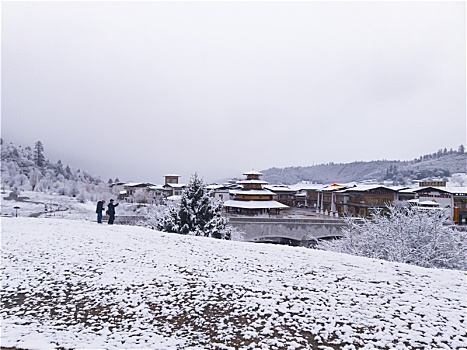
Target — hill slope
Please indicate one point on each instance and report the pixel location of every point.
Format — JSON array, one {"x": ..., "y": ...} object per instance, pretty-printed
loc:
[
  {"x": 400, "y": 172},
  {"x": 21, "y": 171},
  {"x": 76, "y": 284}
]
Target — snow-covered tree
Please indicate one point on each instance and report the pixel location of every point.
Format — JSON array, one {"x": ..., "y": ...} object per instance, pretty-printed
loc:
[
  {"x": 197, "y": 214},
  {"x": 141, "y": 196},
  {"x": 59, "y": 168},
  {"x": 34, "y": 177},
  {"x": 68, "y": 173},
  {"x": 407, "y": 235},
  {"x": 39, "y": 158}
]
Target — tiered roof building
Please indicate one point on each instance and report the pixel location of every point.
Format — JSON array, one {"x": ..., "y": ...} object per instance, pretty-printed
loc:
[{"x": 253, "y": 198}]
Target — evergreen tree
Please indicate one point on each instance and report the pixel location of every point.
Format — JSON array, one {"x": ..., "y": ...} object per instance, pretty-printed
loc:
[
  {"x": 68, "y": 174},
  {"x": 59, "y": 168},
  {"x": 197, "y": 214},
  {"x": 39, "y": 158},
  {"x": 461, "y": 149},
  {"x": 117, "y": 180},
  {"x": 110, "y": 181}
]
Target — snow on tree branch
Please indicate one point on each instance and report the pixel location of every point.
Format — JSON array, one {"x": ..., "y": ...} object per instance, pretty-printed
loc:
[{"x": 407, "y": 235}]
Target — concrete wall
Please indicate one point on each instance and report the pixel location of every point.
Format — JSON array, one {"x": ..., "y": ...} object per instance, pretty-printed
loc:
[{"x": 299, "y": 229}]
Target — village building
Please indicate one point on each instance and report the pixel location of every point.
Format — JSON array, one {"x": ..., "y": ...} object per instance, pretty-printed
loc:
[
  {"x": 326, "y": 197},
  {"x": 172, "y": 185},
  {"x": 130, "y": 189},
  {"x": 253, "y": 199},
  {"x": 361, "y": 200},
  {"x": 157, "y": 194},
  {"x": 307, "y": 195},
  {"x": 283, "y": 194},
  {"x": 116, "y": 187},
  {"x": 452, "y": 198},
  {"x": 403, "y": 193},
  {"x": 459, "y": 211},
  {"x": 221, "y": 192}
]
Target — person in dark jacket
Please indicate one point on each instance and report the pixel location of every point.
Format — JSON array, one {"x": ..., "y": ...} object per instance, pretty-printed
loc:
[
  {"x": 99, "y": 210},
  {"x": 111, "y": 211}
]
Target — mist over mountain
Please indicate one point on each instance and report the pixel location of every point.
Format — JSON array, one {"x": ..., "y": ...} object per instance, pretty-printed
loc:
[{"x": 440, "y": 164}]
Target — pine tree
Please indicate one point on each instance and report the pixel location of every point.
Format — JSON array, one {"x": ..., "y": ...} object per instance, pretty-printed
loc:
[
  {"x": 461, "y": 149},
  {"x": 110, "y": 181},
  {"x": 39, "y": 158},
  {"x": 59, "y": 168},
  {"x": 197, "y": 214},
  {"x": 68, "y": 174}
]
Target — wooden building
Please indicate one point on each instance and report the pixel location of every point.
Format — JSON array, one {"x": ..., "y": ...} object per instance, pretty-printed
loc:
[
  {"x": 360, "y": 200},
  {"x": 283, "y": 194},
  {"x": 326, "y": 198},
  {"x": 253, "y": 199}
]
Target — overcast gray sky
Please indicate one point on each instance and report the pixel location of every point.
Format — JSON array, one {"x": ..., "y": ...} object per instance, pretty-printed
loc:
[{"x": 136, "y": 90}]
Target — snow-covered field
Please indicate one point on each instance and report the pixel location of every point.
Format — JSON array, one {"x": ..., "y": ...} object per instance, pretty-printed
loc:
[
  {"x": 77, "y": 284},
  {"x": 40, "y": 204}
]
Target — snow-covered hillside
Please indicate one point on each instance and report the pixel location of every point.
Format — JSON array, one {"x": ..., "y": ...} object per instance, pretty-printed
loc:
[
  {"x": 77, "y": 284},
  {"x": 401, "y": 172}
]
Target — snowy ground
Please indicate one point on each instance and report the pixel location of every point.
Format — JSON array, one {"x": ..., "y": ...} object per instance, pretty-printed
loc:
[
  {"x": 40, "y": 204},
  {"x": 47, "y": 205},
  {"x": 77, "y": 284}
]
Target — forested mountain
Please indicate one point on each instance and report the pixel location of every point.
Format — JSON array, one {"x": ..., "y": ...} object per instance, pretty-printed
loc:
[
  {"x": 27, "y": 169},
  {"x": 441, "y": 164}
]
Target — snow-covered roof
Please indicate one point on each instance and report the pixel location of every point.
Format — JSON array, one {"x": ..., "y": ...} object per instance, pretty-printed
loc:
[
  {"x": 398, "y": 188},
  {"x": 432, "y": 188},
  {"x": 218, "y": 188},
  {"x": 252, "y": 192},
  {"x": 123, "y": 192},
  {"x": 255, "y": 204},
  {"x": 408, "y": 190},
  {"x": 157, "y": 187},
  {"x": 132, "y": 184},
  {"x": 457, "y": 189},
  {"x": 252, "y": 172},
  {"x": 175, "y": 185},
  {"x": 281, "y": 188},
  {"x": 333, "y": 187},
  {"x": 252, "y": 182},
  {"x": 364, "y": 188},
  {"x": 166, "y": 175},
  {"x": 300, "y": 187},
  {"x": 214, "y": 186}
]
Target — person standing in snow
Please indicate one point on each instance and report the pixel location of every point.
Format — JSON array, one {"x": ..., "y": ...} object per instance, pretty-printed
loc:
[
  {"x": 111, "y": 211},
  {"x": 99, "y": 210}
]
